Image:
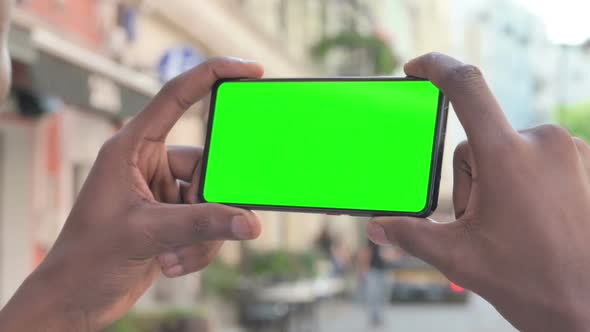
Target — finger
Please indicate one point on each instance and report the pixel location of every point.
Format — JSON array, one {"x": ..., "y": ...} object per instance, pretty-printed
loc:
[
  {"x": 185, "y": 188},
  {"x": 434, "y": 243},
  {"x": 583, "y": 152},
  {"x": 179, "y": 94},
  {"x": 475, "y": 105},
  {"x": 183, "y": 161},
  {"x": 188, "y": 191},
  {"x": 463, "y": 176},
  {"x": 173, "y": 226},
  {"x": 581, "y": 145},
  {"x": 165, "y": 187},
  {"x": 186, "y": 166},
  {"x": 189, "y": 259}
]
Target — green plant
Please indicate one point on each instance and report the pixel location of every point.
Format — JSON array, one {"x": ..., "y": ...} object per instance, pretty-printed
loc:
[
  {"x": 576, "y": 119},
  {"x": 282, "y": 265},
  {"x": 154, "y": 321},
  {"x": 380, "y": 53},
  {"x": 273, "y": 265},
  {"x": 125, "y": 324},
  {"x": 220, "y": 279}
]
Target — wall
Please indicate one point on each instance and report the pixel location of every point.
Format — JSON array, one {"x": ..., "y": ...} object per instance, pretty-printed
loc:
[
  {"x": 77, "y": 17},
  {"x": 510, "y": 46},
  {"x": 16, "y": 192},
  {"x": 572, "y": 80},
  {"x": 83, "y": 134},
  {"x": 154, "y": 37}
]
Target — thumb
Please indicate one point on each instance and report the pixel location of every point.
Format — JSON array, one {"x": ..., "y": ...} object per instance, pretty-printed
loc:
[
  {"x": 433, "y": 242},
  {"x": 179, "y": 225}
]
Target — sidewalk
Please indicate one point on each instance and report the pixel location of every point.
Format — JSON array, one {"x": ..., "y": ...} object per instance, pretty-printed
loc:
[
  {"x": 333, "y": 315},
  {"x": 348, "y": 316}
]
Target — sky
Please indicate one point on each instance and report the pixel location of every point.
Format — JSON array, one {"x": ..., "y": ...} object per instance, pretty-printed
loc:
[{"x": 567, "y": 21}]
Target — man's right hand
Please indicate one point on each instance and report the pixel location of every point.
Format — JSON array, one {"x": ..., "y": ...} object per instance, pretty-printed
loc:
[{"x": 522, "y": 203}]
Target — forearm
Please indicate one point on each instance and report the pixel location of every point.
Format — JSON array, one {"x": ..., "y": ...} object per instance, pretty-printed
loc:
[
  {"x": 548, "y": 318},
  {"x": 41, "y": 305},
  {"x": 540, "y": 311}
]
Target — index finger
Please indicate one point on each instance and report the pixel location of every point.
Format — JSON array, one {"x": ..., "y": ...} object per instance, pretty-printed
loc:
[
  {"x": 158, "y": 118},
  {"x": 476, "y": 107}
]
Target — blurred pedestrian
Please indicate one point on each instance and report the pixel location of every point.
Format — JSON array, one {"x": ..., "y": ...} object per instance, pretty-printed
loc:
[
  {"x": 333, "y": 249},
  {"x": 341, "y": 257},
  {"x": 372, "y": 272},
  {"x": 324, "y": 241}
]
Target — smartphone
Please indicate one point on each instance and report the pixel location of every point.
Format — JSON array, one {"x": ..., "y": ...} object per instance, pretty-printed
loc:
[{"x": 357, "y": 146}]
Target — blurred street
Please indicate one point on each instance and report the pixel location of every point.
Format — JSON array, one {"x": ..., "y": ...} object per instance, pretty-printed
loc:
[{"x": 475, "y": 316}]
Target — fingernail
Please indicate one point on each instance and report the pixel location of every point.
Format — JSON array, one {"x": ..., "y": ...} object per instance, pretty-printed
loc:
[
  {"x": 174, "y": 271},
  {"x": 241, "y": 60},
  {"x": 240, "y": 227},
  {"x": 169, "y": 259},
  {"x": 376, "y": 233}
]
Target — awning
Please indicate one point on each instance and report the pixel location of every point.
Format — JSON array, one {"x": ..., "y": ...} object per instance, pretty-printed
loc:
[
  {"x": 88, "y": 90},
  {"x": 78, "y": 76}
]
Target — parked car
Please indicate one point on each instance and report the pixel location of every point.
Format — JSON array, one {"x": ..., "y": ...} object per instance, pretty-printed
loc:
[{"x": 414, "y": 280}]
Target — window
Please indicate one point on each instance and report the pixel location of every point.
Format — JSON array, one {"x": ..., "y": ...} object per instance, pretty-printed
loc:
[{"x": 127, "y": 20}]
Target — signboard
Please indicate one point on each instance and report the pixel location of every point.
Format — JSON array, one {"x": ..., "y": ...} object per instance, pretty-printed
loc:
[
  {"x": 54, "y": 77},
  {"x": 176, "y": 61},
  {"x": 104, "y": 94}
]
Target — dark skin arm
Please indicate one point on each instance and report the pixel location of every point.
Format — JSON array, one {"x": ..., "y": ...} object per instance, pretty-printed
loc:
[
  {"x": 128, "y": 224},
  {"x": 521, "y": 202}
]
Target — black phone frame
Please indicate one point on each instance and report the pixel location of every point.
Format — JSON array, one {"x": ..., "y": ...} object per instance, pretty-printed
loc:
[{"x": 436, "y": 160}]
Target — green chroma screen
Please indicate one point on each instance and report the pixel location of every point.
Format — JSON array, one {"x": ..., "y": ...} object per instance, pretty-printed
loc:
[{"x": 354, "y": 145}]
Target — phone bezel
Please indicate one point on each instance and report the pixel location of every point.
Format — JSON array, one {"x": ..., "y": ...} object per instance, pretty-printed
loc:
[{"x": 435, "y": 169}]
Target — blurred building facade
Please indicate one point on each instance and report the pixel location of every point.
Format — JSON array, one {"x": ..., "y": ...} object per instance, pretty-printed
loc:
[
  {"x": 68, "y": 97},
  {"x": 340, "y": 36},
  {"x": 81, "y": 69},
  {"x": 417, "y": 27},
  {"x": 510, "y": 44},
  {"x": 572, "y": 75},
  {"x": 512, "y": 41}
]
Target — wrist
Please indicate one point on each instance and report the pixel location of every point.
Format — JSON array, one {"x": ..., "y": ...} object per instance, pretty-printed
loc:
[
  {"x": 43, "y": 304},
  {"x": 574, "y": 316},
  {"x": 541, "y": 312}
]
